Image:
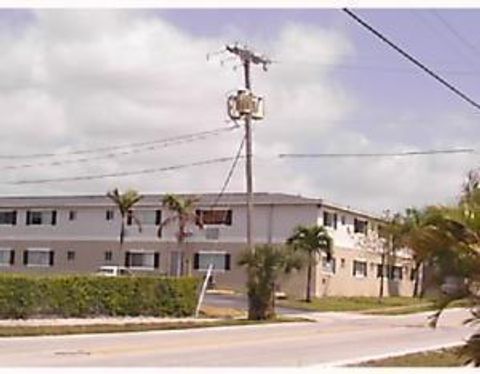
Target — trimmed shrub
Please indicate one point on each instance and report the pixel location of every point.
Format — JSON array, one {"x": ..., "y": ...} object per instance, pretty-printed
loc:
[{"x": 24, "y": 296}]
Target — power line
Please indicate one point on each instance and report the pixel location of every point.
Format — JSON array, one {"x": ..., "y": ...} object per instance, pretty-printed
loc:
[
  {"x": 126, "y": 145},
  {"x": 114, "y": 155},
  {"x": 230, "y": 173},
  {"x": 412, "y": 59},
  {"x": 374, "y": 155},
  {"x": 454, "y": 31},
  {"x": 376, "y": 68},
  {"x": 124, "y": 173}
]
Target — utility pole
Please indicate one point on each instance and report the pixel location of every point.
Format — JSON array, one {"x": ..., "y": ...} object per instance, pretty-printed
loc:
[{"x": 247, "y": 106}]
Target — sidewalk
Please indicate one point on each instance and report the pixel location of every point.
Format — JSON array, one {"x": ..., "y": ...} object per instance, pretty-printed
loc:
[{"x": 97, "y": 321}]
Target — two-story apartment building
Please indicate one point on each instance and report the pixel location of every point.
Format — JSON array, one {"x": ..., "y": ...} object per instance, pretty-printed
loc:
[{"x": 81, "y": 233}]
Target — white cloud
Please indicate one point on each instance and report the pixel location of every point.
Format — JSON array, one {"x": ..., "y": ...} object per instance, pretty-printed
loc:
[{"x": 76, "y": 79}]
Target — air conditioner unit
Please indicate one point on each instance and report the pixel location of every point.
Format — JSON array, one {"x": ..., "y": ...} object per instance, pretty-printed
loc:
[{"x": 212, "y": 233}]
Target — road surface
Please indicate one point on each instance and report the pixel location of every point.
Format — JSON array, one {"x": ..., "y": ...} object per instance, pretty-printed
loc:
[{"x": 334, "y": 339}]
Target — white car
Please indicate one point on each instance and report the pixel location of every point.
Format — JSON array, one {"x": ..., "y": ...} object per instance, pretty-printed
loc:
[{"x": 113, "y": 271}]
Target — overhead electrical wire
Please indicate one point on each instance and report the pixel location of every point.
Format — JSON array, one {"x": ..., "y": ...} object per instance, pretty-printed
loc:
[
  {"x": 235, "y": 159},
  {"x": 377, "y": 155},
  {"x": 123, "y": 173},
  {"x": 121, "y": 146},
  {"x": 229, "y": 174},
  {"x": 412, "y": 59},
  {"x": 453, "y": 31},
  {"x": 377, "y": 68},
  {"x": 113, "y": 155}
]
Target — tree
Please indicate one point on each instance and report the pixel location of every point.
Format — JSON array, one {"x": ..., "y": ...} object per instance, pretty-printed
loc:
[
  {"x": 457, "y": 230},
  {"x": 184, "y": 214},
  {"x": 311, "y": 241},
  {"x": 264, "y": 267},
  {"x": 124, "y": 203}
]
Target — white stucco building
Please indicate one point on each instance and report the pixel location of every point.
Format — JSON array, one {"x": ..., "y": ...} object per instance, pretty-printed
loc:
[{"x": 80, "y": 233}]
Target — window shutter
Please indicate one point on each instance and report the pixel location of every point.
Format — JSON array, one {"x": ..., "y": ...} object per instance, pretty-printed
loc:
[
  {"x": 156, "y": 260},
  {"x": 25, "y": 257},
  {"x": 12, "y": 257},
  {"x": 52, "y": 255},
  {"x": 54, "y": 217},
  {"x": 229, "y": 217},
  {"x": 158, "y": 217},
  {"x": 129, "y": 218},
  {"x": 27, "y": 221},
  {"x": 14, "y": 218},
  {"x": 196, "y": 261},
  {"x": 227, "y": 261},
  {"x": 127, "y": 259},
  {"x": 335, "y": 219}
]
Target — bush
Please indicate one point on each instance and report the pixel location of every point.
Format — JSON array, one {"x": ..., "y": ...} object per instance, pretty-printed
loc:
[{"x": 24, "y": 296}]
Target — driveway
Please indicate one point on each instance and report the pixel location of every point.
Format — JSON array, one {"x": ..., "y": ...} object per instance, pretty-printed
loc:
[{"x": 240, "y": 302}]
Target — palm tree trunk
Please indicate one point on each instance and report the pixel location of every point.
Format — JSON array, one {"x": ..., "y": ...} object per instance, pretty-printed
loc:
[
  {"x": 382, "y": 274},
  {"x": 122, "y": 239},
  {"x": 424, "y": 283},
  {"x": 417, "y": 278},
  {"x": 309, "y": 281}
]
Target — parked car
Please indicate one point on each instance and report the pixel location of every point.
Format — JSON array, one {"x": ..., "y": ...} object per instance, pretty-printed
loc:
[{"x": 113, "y": 271}]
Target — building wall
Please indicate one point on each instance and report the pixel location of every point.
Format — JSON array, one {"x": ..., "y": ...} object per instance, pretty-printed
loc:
[{"x": 90, "y": 235}]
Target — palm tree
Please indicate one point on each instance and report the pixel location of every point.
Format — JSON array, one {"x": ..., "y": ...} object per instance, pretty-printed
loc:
[
  {"x": 264, "y": 267},
  {"x": 312, "y": 241},
  {"x": 184, "y": 214},
  {"x": 124, "y": 203}
]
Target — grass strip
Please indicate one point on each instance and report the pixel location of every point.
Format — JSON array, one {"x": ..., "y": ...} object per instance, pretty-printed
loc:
[
  {"x": 441, "y": 358},
  {"x": 367, "y": 305},
  {"x": 12, "y": 331}
]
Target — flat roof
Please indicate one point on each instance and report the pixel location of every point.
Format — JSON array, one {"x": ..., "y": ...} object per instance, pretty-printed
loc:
[{"x": 206, "y": 199}]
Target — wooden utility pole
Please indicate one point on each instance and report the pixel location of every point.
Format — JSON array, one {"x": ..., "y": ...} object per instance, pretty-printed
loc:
[{"x": 247, "y": 58}]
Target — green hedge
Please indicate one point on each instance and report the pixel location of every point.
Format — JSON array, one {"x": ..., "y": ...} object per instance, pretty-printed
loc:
[{"x": 24, "y": 296}]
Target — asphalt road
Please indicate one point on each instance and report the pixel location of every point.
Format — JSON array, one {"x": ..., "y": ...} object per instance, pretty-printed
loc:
[{"x": 335, "y": 338}]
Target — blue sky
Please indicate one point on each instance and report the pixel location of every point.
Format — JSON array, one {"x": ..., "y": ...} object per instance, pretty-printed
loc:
[{"x": 333, "y": 87}]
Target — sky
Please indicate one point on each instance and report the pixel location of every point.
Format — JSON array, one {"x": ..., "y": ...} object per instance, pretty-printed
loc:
[{"x": 75, "y": 80}]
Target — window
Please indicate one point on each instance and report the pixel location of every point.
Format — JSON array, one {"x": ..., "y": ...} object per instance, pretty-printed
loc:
[
  {"x": 8, "y": 217},
  {"x": 142, "y": 259},
  {"x": 41, "y": 217},
  {"x": 359, "y": 269},
  {"x": 360, "y": 226},
  {"x": 108, "y": 256},
  {"x": 392, "y": 272},
  {"x": 342, "y": 262},
  {"x": 7, "y": 256},
  {"x": 72, "y": 215},
  {"x": 146, "y": 217},
  {"x": 328, "y": 266},
  {"x": 38, "y": 257},
  {"x": 215, "y": 217},
  {"x": 70, "y": 255},
  {"x": 396, "y": 272},
  {"x": 220, "y": 261},
  {"x": 330, "y": 219},
  {"x": 109, "y": 214},
  {"x": 343, "y": 219}
]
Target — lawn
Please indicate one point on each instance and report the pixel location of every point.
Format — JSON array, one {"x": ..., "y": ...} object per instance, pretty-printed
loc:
[
  {"x": 360, "y": 303},
  {"x": 441, "y": 358}
]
